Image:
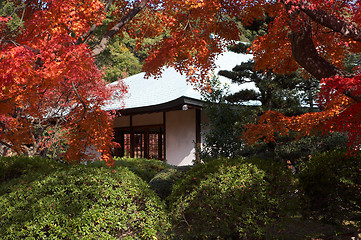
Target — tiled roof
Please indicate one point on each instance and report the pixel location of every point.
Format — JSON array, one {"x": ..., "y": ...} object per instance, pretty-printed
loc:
[{"x": 171, "y": 85}]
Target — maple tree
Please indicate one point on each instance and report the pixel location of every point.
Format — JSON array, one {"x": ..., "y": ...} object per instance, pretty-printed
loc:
[
  {"x": 48, "y": 77},
  {"x": 314, "y": 35},
  {"x": 317, "y": 36},
  {"x": 50, "y": 87},
  {"x": 47, "y": 59}
]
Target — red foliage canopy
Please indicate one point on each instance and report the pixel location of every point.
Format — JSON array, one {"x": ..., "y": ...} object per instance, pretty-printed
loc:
[
  {"x": 317, "y": 36},
  {"x": 48, "y": 76},
  {"x": 48, "y": 82}
]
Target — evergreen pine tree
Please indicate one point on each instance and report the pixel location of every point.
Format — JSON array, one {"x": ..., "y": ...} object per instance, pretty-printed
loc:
[{"x": 284, "y": 93}]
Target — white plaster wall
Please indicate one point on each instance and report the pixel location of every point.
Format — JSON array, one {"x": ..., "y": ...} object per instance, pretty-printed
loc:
[
  {"x": 92, "y": 154},
  {"x": 180, "y": 137}
]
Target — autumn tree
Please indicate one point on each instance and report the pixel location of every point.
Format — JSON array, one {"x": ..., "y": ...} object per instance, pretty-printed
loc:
[
  {"x": 49, "y": 81},
  {"x": 313, "y": 35},
  {"x": 48, "y": 76},
  {"x": 317, "y": 36},
  {"x": 47, "y": 51}
]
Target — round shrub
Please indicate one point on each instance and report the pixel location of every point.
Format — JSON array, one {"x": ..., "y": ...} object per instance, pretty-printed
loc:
[
  {"x": 163, "y": 182},
  {"x": 230, "y": 199},
  {"x": 331, "y": 182},
  {"x": 300, "y": 150},
  {"x": 83, "y": 202},
  {"x": 146, "y": 169},
  {"x": 13, "y": 167}
]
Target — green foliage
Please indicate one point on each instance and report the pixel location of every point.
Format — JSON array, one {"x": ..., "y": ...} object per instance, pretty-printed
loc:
[
  {"x": 146, "y": 169},
  {"x": 7, "y": 8},
  {"x": 301, "y": 150},
  {"x": 82, "y": 202},
  {"x": 352, "y": 61},
  {"x": 293, "y": 151},
  {"x": 230, "y": 199},
  {"x": 225, "y": 124},
  {"x": 332, "y": 185},
  {"x": 142, "y": 52},
  {"x": 118, "y": 61},
  {"x": 163, "y": 182},
  {"x": 275, "y": 92},
  {"x": 281, "y": 92},
  {"x": 258, "y": 27},
  {"x": 14, "y": 167},
  {"x": 122, "y": 58}
]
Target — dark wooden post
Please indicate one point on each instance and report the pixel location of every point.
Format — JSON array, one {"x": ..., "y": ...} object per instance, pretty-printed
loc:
[
  {"x": 165, "y": 135},
  {"x": 198, "y": 134},
  {"x": 131, "y": 137}
]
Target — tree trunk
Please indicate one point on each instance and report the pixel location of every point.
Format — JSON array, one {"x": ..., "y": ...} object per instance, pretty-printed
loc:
[
  {"x": 117, "y": 27},
  {"x": 305, "y": 53}
]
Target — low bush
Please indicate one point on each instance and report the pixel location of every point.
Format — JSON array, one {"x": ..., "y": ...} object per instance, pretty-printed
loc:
[
  {"x": 332, "y": 185},
  {"x": 82, "y": 202},
  {"x": 146, "y": 169},
  {"x": 163, "y": 182},
  {"x": 299, "y": 151},
  {"x": 231, "y": 199},
  {"x": 13, "y": 167}
]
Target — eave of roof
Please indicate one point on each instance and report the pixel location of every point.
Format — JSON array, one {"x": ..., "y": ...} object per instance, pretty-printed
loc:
[{"x": 176, "y": 104}]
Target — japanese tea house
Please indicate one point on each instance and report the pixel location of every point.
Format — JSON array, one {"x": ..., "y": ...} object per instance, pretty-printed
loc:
[{"x": 162, "y": 118}]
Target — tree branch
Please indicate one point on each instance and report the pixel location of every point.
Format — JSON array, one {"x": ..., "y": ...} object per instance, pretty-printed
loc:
[
  {"x": 20, "y": 22},
  {"x": 306, "y": 55},
  {"x": 85, "y": 37},
  {"x": 6, "y": 144},
  {"x": 5, "y": 149},
  {"x": 330, "y": 21},
  {"x": 82, "y": 102},
  {"x": 114, "y": 30}
]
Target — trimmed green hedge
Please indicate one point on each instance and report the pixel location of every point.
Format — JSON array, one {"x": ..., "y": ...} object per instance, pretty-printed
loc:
[
  {"x": 231, "y": 199},
  {"x": 331, "y": 182},
  {"x": 13, "y": 167},
  {"x": 146, "y": 169},
  {"x": 163, "y": 182},
  {"x": 17, "y": 169},
  {"x": 81, "y": 202}
]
